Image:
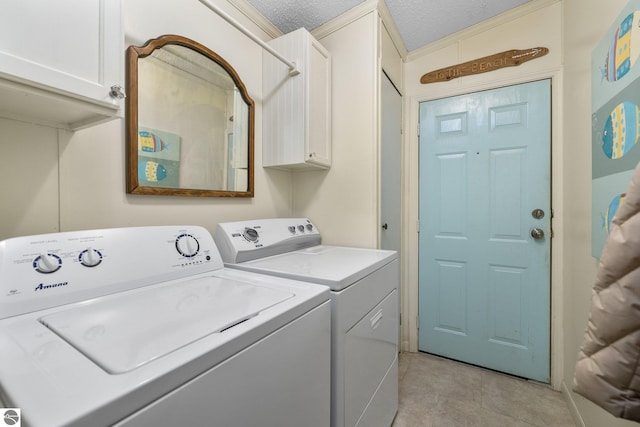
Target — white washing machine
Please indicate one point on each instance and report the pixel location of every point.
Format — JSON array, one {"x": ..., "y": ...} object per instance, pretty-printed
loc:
[
  {"x": 364, "y": 313},
  {"x": 145, "y": 327}
]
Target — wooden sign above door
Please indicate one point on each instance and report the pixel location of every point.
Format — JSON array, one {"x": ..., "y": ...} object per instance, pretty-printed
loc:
[{"x": 508, "y": 58}]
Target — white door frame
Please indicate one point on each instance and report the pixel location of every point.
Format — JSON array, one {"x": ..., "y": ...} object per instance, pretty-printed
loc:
[{"x": 411, "y": 166}]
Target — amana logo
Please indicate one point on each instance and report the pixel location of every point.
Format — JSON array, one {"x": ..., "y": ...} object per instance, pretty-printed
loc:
[{"x": 42, "y": 287}]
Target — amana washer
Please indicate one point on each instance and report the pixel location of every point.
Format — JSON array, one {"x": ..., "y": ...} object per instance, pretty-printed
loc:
[
  {"x": 145, "y": 327},
  {"x": 364, "y": 307}
]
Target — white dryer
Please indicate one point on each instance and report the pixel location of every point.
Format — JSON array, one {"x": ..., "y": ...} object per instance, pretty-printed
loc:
[
  {"x": 145, "y": 327},
  {"x": 364, "y": 313}
]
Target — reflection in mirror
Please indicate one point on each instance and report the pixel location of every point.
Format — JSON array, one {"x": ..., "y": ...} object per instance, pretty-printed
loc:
[{"x": 190, "y": 122}]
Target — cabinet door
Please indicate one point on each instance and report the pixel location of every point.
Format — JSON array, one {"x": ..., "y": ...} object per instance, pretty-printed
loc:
[
  {"x": 73, "y": 47},
  {"x": 319, "y": 99},
  {"x": 297, "y": 109}
]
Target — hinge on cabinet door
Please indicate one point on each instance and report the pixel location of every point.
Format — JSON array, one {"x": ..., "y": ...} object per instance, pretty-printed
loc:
[
  {"x": 418, "y": 130},
  {"x": 401, "y": 318},
  {"x": 417, "y": 322},
  {"x": 418, "y": 226}
]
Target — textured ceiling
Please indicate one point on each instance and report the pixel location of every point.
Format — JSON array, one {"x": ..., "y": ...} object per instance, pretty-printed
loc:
[{"x": 419, "y": 22}]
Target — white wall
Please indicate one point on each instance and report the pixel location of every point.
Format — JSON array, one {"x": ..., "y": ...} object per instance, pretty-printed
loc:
[
  {"x": 342, "y": 201},
  {"x": 29, "y": 177},
  {"x": 585, "y": 23},
  {"x": 57, "y": 180}
]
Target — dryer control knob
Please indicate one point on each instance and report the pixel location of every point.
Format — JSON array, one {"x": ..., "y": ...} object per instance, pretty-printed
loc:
[
  {"x": 47, "y": 263},
  {"x": 90, "y": 257},
  {"x": 187, "y": 245},
  {"x": 250, "y": 234}
]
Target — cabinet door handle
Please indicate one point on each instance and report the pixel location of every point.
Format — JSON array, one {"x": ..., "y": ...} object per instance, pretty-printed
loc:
[{"x": 117, "y": 92}]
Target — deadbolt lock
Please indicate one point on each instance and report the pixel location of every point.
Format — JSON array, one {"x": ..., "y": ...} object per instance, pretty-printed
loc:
[{"x": 537, "y": 213}]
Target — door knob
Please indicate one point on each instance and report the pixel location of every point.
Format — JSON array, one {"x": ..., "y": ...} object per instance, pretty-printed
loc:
[{"x": 537, "y": 233}]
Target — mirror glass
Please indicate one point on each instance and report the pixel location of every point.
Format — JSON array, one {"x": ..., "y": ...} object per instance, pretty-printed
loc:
[{"x": 190, "y": 122}]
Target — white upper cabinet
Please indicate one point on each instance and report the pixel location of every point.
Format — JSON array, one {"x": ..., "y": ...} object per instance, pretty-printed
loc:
[
  {"x": 297, "y": 108},
  {"x": 59, "y": 60}
]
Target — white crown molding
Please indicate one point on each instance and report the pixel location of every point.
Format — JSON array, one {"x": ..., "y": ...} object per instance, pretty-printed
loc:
[
  {"x": 358, "y": 12},
  {"x": 481, "y": 27},
  {"x": 244, "y": 7},
  {"x": 345, "y": 19}
]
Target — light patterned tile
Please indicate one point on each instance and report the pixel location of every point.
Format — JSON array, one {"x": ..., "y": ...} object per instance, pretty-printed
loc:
[
  {"x": 524, "y": 400},
  {"x": 403, "y": 364},
  {"x": 444, "y": 378},
  {"x": 437, "y": 392}
]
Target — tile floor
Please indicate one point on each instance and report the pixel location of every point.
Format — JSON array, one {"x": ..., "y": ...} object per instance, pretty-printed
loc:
[{"x": 436, "y": 392}]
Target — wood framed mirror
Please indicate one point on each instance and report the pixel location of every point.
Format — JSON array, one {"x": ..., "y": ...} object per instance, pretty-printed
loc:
[{"x": 189, "y": 122}]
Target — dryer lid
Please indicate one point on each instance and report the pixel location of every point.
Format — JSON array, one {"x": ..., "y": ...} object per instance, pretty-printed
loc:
[
  {"x": 335, "y": 266},
  {"x": 124, "y": 331}
]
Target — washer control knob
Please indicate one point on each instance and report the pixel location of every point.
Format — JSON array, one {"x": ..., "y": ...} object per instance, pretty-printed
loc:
[
  {"x": 310, "y": 227},
  {"x": 301, "y": 228},
  {"x": 47, "y": 263},
  {"x": 90, "y": 257},
  {"x": 292, "y": 229},
  {"x": 250, "y": 234},
  {"x": 187, "y": 245}
]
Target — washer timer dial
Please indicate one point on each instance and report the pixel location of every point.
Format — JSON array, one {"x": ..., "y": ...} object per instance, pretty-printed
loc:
[
  {"x": 90, "y": 257},
  {"x": 47, "y": 263},
  {"x": 187, "y": 245},
  {"x": 250, "y": 234}
]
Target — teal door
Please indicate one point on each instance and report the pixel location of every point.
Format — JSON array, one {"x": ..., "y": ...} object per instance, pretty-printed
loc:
[{"x": 485, "y": 229}]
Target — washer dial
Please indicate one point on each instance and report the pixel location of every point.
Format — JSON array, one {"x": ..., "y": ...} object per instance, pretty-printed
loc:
[
  {"x": 187, "y": 245},
  {"x": 250, "y": 234},
  {"x": 47, "y": 263},
  {"x": 90, "y": 257}
]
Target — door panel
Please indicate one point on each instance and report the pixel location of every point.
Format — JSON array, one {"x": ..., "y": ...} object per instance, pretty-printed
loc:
[
  {"x": 390, "y": 166},
  {"x": 484, "y": 280}
]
